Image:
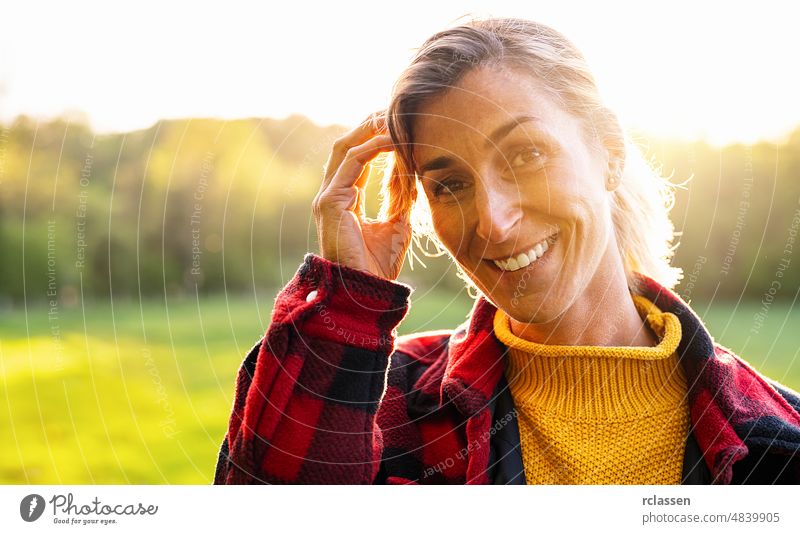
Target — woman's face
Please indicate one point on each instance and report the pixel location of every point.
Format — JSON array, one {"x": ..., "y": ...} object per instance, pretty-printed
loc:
[{"x": 508, "y": 174}]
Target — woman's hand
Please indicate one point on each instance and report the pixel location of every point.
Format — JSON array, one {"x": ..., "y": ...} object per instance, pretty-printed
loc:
[{"x": 345, "y": 235}]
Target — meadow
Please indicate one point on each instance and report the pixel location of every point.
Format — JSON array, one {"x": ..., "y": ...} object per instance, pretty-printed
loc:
[{"x": 140, "y": 392}]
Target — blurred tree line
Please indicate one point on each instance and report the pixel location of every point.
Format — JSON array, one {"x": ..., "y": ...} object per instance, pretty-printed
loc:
[{"x": 211, "y": 206}]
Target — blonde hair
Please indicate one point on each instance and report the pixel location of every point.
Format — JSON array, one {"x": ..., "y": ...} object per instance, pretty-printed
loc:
[{"x": 643, "y": 198}]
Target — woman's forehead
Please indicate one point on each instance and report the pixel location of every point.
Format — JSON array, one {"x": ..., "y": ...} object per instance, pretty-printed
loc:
[
  {"x": 470, "y": 114},
  {"x": 482, "y": 95}
]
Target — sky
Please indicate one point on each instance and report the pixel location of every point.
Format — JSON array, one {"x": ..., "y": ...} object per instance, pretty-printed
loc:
[{"x": 721, "y": 71}]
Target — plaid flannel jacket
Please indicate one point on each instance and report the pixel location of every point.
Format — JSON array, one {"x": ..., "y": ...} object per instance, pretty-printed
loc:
[{"x": 331, "y": 395}]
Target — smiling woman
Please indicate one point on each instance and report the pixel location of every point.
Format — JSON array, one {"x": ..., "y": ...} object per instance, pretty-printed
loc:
[
  {"x": 578, "y": 363},
  {"x": 530, "y": 184}
]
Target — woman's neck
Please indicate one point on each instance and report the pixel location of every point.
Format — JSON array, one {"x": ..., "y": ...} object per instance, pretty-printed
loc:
[{"x": 604, "y": 315}]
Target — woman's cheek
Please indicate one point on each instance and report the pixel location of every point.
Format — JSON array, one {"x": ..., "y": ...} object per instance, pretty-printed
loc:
[
  {"x": 592, "y": 227},
  {"x": 449, "y": 223}
]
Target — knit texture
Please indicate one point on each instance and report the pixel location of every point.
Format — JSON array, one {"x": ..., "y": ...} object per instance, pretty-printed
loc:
[{"x": 599, "y": 414}]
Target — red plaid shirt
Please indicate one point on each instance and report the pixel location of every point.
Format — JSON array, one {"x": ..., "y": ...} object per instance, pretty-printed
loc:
[{"x": 331, "y": 395}]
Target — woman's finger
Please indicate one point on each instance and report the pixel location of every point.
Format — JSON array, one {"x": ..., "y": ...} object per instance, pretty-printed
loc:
[
  {"x": 375, "y": 123},
  {"x": 356, "y": 158}
]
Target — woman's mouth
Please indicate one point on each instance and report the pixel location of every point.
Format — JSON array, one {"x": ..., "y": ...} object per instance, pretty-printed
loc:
[{"x": 526, "y": 257}]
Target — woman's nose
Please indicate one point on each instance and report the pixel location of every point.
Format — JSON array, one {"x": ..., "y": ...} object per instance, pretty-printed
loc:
[{"x": 499, "y": 215}]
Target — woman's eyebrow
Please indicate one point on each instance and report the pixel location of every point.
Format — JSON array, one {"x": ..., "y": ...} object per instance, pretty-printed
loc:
[
  {"x": 443, "y": 162},
  {"x": 505, "y": 129}
]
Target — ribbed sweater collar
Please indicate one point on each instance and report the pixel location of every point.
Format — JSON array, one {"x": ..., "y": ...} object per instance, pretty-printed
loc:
[{"x": 590, "y": 382}]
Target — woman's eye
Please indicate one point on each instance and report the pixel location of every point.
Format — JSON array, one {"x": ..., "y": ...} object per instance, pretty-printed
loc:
[
  {"x": 448, "y": 188},
  {"x": 525, "y": 157}
]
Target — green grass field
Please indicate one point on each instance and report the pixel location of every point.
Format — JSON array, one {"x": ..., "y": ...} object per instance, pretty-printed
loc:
[{"x": 141, "y": 394}]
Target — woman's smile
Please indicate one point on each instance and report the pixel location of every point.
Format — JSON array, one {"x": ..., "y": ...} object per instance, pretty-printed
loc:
[
  {"x": 527, "y": 257},
  {"x": 515, "y": 283}
]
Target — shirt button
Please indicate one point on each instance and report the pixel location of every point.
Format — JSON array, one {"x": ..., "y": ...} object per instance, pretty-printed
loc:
[{"x": 311, "y": 296}]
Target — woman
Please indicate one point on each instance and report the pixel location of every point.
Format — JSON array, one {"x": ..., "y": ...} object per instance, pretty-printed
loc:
[{"x": 578, "y": 363}]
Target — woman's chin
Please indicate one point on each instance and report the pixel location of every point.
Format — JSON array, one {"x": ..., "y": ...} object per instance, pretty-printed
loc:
[{"x": 525, "y": 300}]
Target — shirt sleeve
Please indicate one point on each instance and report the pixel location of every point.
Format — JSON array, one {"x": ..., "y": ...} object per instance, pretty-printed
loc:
[{"x": 307, "y": 394}]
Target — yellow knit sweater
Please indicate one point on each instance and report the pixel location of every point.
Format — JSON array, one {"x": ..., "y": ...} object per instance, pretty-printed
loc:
[{"x": 597, "y": 414}]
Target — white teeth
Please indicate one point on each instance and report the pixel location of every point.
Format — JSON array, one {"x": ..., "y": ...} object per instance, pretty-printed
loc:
[{"x": 524, "y": 259}]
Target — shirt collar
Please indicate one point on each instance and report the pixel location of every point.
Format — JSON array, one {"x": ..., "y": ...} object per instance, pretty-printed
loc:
[{"x": 732, "y": 407}]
